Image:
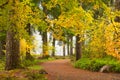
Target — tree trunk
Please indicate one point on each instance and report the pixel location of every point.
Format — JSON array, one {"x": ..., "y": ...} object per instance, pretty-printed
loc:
[
  {"x": 2, "y": 47},
  {"x": 117, "y": 4},
  {"x": 12, "y": 43},
  {"x": 63, "y": 48},
  {"x": 117, "y": 7},
  {"x": 28, "y": 54},
  {"x": 71, "y": 45},
  {"x": 68, "y": 46},
  {"x": 53, "y": 50},
  {"x": 78, "y": 48},
  {"x": 12, "y": 51},
  {"x": 45, "y": 45}
]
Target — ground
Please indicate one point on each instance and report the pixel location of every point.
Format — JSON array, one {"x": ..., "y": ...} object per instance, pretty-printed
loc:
[{"x": 63, "y": 70}]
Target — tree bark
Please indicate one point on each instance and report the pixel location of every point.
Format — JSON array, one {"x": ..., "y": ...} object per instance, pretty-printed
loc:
[
  {"x": 78, "y": 48},
  {"x": 63, "y": 48},
  {"x": 12, "y": 43},
  {"x": 45, "y": 44},
  {"x": 117, "y": 4},
  {"x": 71, "y": 45},
  {"x": 53, "y": 50},
  {"x": 12, "y": 51},
  {"x": 2, "y": 47},
  {"x": 68, "y": 46},
  {"x": 28, "y": 54},
  {"x": 117, "y": 7}
]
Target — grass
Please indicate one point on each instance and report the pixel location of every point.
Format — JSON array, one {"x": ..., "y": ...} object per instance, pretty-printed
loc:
[
  {"x": 35, "y": 67},
  {"x": 31, "y": 71},
  {"x": 2, "y": 64}
]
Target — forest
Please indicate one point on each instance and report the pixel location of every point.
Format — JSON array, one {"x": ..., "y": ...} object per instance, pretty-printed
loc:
[{"x": 59, "y": 39}]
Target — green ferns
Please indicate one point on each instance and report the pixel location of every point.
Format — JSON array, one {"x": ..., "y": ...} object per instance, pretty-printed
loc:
[{"x": 96, "y": 64}]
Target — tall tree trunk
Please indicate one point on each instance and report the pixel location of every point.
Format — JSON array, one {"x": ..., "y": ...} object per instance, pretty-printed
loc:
[
  {"x": 117, "y": 4},
  {"x": 71, "y": 45},
  {"x": 12, "y": 44},
  {"x": 2, "y": 47},
  {"x": 53, "y": 50},
  {"x": 68, "y": 46},
  {"x": 63, "y": 48},
  {"x": 28, "y": 54},
  {"x": 78, "y": 48},
  {"x": 117, "y": 7},
  {"x": 45, "y": 44},
  {"x": 12, "y": 51}
]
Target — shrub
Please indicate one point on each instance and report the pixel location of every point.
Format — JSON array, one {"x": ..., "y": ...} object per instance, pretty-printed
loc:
[
  {"x": 96, "y": 64},
  {"x": 35, "y": 76}
]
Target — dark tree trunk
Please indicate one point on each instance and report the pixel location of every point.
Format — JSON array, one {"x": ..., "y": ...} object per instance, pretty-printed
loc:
[
  {"x": 45, "y": 45},
  {"x": 117, "y": 4},
  {"x": 12, "y": 51},
  {"x": 117, "y": 7},
  {"x": 53, "y": 50},
  {"x": 78, "y": 48},
  {"x": 68, "y": 46},
  {"x": 71, "y": 45},
  {"x": 28, "y": 55},
  {"x": 12, "y": 43},
  {"x": 2, "y": 47},
  {"x": 63, "y": 48}
]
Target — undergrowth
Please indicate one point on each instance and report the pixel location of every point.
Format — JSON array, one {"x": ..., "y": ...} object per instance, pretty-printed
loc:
[{"x": 96, "y": 63}]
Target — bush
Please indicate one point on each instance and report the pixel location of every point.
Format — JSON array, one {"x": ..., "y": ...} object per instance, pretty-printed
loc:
[
  {"x": 96, "y": 64},
  {"x": 35, "y": 76},
  {"x": 26, "y": 63},
  {"x": 2, "y": 64}
]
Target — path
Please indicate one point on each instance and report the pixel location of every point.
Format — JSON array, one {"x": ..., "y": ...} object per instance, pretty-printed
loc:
[{"x": 62, "y": 70}]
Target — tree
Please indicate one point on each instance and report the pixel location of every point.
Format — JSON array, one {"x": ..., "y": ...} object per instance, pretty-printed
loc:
[
  {"x": 2, "y": 48},
  {"x": 12, "y": 43},
  {"x": 2, "y": 44},
  {"x": 53, "y": 50},
  {"x": 64, "y": 49},
  {"x": 78, "y": 48},
  {"x": 18, "y": 18},
  {"x": 12, "y": 51},
  {"x": 117, "y": 7},
  {"x": 71, "y": 45}
]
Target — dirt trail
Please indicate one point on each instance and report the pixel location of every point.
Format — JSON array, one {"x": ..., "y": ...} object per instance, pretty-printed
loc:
[{"x": 63, "y": 70}]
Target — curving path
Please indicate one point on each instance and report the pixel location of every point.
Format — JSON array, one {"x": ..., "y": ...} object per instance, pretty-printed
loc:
[{"x": 63, "y": 70}]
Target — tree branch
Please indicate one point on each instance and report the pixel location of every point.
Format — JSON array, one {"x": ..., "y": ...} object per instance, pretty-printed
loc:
[
  {"x": 2, "y": 6},
  {"x": 114, "y": 27}
]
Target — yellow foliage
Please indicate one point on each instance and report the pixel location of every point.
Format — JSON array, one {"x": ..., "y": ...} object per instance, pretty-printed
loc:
[
  {"x": 24, "y": 46},
  {"x": 112, "y": 40},
  {"x": 95, "y": 7}
]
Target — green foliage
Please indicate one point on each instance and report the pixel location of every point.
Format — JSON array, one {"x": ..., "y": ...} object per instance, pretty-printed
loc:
[
  {"x": 96, "y": 64},
  {"x": 35, "y": 76},
  {"x": 24, "y": 74},
  {"x": 2, "y": 63},
  {"x": 35, "y": 67},
  {"x": 9, "y": 78},
  {"x": 27, "y": 63},
  {"x": 2, "y": 36}
]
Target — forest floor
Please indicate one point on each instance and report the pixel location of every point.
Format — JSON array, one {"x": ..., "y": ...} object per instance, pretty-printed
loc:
[{"x": 63, "y": 70}]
